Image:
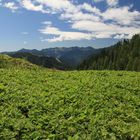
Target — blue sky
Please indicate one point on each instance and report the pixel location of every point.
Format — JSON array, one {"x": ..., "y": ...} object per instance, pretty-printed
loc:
[{"x": 38, "y": 24}]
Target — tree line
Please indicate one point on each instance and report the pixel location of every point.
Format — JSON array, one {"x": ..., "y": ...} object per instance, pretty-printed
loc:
[{"x": 125, "y": 55}]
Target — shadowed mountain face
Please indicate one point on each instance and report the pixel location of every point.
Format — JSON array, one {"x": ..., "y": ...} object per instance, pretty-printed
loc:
[
  {"x": 69, "y": 57},
  {"x": 49, "y": 62}
]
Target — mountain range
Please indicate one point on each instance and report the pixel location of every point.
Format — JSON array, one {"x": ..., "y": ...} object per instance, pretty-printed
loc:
[
  {"x": 124, "y": 55},
  {"x": 45, "y": 61},
  {"x": 59, "y": 58}
]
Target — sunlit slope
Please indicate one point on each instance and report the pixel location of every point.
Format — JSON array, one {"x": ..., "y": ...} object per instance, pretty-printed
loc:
[
  {"x": 80, "y": 105},
  {"x": 9, "y": 62}
]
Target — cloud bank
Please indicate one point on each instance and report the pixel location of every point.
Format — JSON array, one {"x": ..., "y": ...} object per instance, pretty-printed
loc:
[{"x": 86, "y": 21}]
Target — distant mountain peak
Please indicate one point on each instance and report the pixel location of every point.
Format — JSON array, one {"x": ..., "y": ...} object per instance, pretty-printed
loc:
[{"x": 69, "y": 56}]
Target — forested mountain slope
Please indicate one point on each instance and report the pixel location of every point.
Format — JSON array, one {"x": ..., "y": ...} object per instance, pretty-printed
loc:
[
  {"x": 125, "y": 55},
  {"x": 48, "y": 62}
]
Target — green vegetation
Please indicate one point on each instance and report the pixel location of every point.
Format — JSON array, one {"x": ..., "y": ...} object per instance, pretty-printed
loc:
[
  {"x": 125, "y": 55},
  {"x": 43, "y": 104},
  {"x": 9, "y": 62}
]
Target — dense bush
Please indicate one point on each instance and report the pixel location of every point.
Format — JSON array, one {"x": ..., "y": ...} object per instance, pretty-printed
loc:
[{"x": 44, "y": 104}]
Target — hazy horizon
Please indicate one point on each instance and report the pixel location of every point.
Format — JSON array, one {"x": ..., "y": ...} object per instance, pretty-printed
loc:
[{"x": 26, "y": 48}]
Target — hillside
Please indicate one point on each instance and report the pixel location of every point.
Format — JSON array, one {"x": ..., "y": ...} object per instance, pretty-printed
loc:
[
  {"x": 73, "y": 105},
  {"x": 125, "y": 55},
  {"x": 9, "y": 62},
  {"x": 70, "y": 57},
  {"x": 48, "y": 62}
]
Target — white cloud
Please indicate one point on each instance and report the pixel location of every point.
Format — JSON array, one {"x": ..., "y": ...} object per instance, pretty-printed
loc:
[
  {"x": 11, "y": 5},
  {"x": 79, "y": 16},
  {"x": 47, "y": 23},
  {"x": 29, "y": 5},
  {"x": 58, "y": 5},
  {"x": 96, "y": 1},
  {"x": 92, "y": 26},
  {"x": 59, "y": 35},
  {"x": 89, "y": 8},
  {"x": 112, "y": 2},
  {"x": 0, "y": 2},
  {"x": 120, "y": 36},
  {"x": 88, "y": 21},
  {"x": 109, "y": 2},
  {"x": 104, "y": 30},
  {"x": 122, "y": 15},
  {"x": 94, "y": 22}
]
